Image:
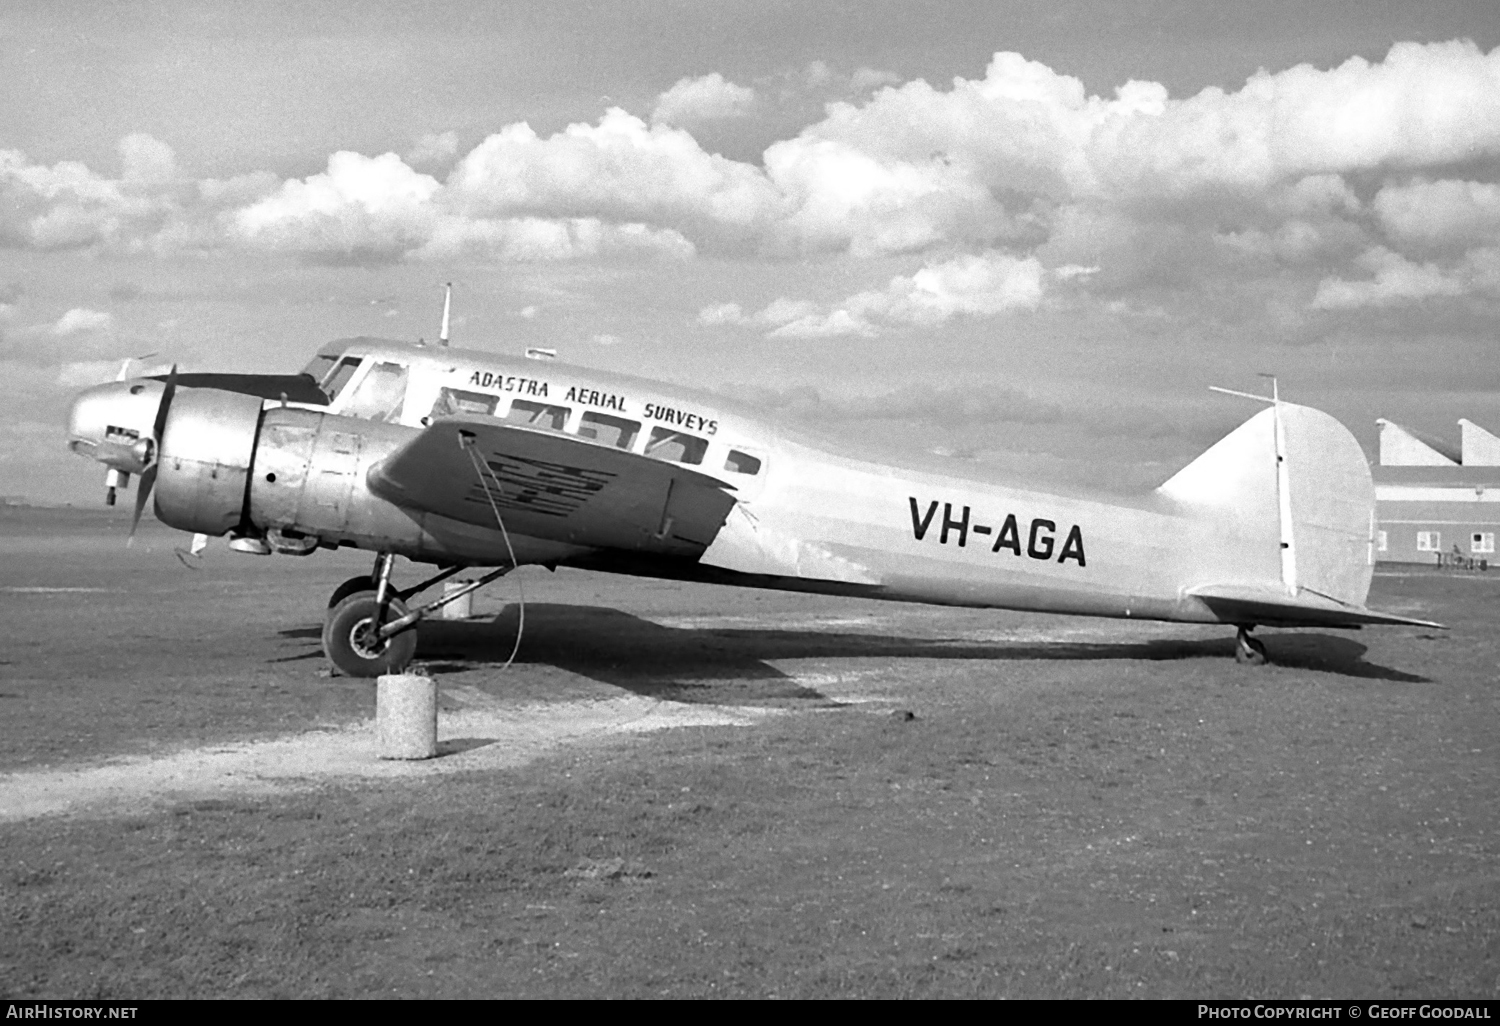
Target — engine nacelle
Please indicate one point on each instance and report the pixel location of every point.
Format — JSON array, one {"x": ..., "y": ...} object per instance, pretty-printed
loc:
[
  {"x": 207, "y": 448},
  {"x": 309, "y": 479},
  {"x": 297, "y": 477}
]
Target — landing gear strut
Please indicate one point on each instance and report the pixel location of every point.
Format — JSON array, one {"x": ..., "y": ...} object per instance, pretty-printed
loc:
[
  {"x": 369, "y": 630},
  {"x": 1248, "y": 650}
]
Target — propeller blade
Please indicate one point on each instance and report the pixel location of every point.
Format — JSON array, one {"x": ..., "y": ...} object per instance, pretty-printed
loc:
[
  {"x": 166, "y": 404},
  {"x": 142, "y": 492},
  {"x": 148, "y": 476}
]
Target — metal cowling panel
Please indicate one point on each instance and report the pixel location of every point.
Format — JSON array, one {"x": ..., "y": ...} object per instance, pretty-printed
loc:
[{"x": 207, "y": 448}]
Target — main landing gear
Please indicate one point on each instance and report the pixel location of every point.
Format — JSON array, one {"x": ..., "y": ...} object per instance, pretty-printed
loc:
[
  {"x": 1248, "y": 650},
  {"x": 369, "y": 630}
]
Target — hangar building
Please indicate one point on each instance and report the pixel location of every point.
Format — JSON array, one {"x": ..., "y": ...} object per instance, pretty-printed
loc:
[{"x": 1434, "y": 504}]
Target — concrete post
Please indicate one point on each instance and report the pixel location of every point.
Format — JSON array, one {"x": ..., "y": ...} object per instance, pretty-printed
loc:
[{"x": 406, "y": 716}]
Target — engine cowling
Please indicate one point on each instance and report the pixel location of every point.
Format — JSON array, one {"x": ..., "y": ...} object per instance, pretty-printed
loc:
[
  {"x": 294, "y": 476},
  {"x": 206, "y": 451},
  {"x": 309, "y": 478}
]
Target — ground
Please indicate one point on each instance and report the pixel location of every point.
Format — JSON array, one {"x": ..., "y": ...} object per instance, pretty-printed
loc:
[{"x": 691, "y": 791}]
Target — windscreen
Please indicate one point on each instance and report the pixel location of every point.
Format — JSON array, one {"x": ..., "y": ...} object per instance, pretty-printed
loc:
[{"x": 380, "y": 394}]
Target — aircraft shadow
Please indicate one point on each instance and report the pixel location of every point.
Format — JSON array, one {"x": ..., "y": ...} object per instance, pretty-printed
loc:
[{"x": 697, "y": 663}]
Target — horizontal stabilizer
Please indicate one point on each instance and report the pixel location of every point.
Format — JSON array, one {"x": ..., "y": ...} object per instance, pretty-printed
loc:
[{"x": 1273, "y": 607}]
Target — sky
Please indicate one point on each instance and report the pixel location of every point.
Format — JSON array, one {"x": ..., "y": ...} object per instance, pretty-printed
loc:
[{"x": 1001, "y": 238}]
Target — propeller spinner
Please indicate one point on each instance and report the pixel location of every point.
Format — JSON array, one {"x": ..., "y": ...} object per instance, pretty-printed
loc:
[{"x": 121, "y": 425}]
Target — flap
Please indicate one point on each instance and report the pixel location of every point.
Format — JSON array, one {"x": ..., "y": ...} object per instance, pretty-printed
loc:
[
  {"x": 554, "y": 486},
  {"x": 1271, "y": 607}
]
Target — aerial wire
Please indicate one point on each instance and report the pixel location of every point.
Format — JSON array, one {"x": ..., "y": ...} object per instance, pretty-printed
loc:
[{"x": 480, "y": 469}]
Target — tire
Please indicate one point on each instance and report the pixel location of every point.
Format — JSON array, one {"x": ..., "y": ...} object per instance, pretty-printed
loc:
[
  {"x": 349, "y": 587},
  {"x": 353, "y": 586},
  {"x": 1250, "y": 652},
  {"x": 349, "y": 623}
]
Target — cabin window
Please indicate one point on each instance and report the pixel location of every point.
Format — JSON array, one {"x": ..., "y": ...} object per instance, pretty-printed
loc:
[
  {"x": 335, "y": 380},
  {"x": 615, "y": 431},
  {"x": 666, "y": 444},
  {"x": 452, "y": 401},
  {"x": 1380, "y": 541},
  {"x": 1429, "y": 541},
  {"x": 379, "y": 395},
  {"x": 741, "y": 463},
  {"x": 1482, "y": 542},
  {"x": 538, "y": 415}
]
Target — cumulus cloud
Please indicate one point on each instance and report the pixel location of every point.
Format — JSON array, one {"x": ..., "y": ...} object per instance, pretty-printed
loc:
[
  {"x": 541, "y": 239},
  {"x": 434, "y": 151},
  {"x": 620, "y": 170},
  {"x": 1399, "y": 281},
  {"x": 360, "y": 208},
  {"x": 866, "y": 79},
  {"x": 147, "y": 160},
  {"x": 67, "y": 206},
  {"x": 78, "y": 320},
  {"x": 721, "y": 313},
  {"x": 974, "y": 285},
  {"x": 1448, "y": 216},
  {"x": 1025, "y": 127},
  {"x": 1396, "y": 280},
  {"x": 1156, "y": 192},
  {"x": 79, "y": 334},
  {"x": 706, "y": 98}
]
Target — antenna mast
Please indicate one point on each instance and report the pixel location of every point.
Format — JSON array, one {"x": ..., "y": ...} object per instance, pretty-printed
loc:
[{"x": 447, "y": 303}]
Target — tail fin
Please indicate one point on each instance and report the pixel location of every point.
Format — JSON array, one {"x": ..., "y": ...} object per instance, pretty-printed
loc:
[{"x": 1293, "y": 486}]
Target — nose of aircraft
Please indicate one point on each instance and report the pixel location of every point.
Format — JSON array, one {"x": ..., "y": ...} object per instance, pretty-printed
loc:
[{"x": 107, "y": 421}]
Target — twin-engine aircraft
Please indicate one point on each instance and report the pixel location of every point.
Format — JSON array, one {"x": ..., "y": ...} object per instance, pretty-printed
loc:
[{"x": 467, "y": 459}]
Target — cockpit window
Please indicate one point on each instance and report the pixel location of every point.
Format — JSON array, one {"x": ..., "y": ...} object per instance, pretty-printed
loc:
[
  {"x": 334, "y": 380},
  {"x": 317, "y": 368},
  {"x": 666, "y": 444},
  {"x": 379, "y": 395}
]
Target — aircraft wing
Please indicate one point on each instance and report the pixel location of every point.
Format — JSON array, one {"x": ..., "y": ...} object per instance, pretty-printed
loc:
[
  {"x": 1272, "y": 607},
  {"x": 553, "y": 486}
]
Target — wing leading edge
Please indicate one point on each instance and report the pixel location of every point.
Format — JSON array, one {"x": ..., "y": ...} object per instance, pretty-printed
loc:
[{"x": 555, "y": 487}]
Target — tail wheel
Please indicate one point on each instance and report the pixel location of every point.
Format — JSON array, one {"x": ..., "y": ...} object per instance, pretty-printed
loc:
[
  {"x": 351, "y": 644},
  {"x": 1249, "y": 651}
]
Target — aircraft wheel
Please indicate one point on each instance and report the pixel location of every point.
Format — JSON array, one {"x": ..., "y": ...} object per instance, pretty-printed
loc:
[
  {"x": 1249, "y": 651},
  {"x": 353, "y": 586},
  {"x": 350, "y": 644},
  {"x": 349, "y": 587}
]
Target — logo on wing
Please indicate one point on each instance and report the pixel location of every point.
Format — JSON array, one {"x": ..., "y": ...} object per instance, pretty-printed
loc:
[{"x": 540, "y": 486}]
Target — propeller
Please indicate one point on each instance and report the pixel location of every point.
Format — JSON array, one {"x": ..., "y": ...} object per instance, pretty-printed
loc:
[{"x": 148, "y": 476}]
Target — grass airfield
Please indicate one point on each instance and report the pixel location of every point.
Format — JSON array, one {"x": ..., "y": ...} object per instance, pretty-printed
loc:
[{"x": 689, "y": 791}]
